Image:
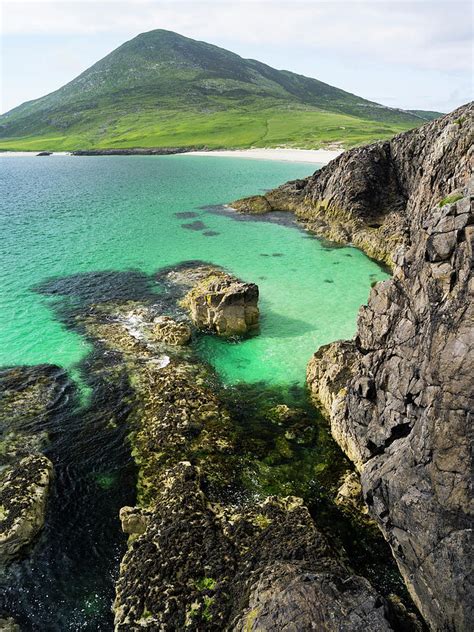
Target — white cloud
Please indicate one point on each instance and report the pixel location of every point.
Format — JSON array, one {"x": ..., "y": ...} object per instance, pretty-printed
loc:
[{"x": 426, "y": 34}]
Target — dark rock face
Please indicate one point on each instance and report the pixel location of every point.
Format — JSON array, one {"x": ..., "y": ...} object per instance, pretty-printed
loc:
[
  {"x": 399, "y": 396},
  {"x": 203, "y": 566},
  {"x": 365, "y": 196}
]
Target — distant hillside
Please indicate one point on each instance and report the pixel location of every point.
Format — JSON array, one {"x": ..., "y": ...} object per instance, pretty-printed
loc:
[{"x": 164, "y": 90}]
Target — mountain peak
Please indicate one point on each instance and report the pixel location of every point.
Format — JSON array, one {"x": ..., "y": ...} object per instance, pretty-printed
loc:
[{"x": 149, "y": 87}]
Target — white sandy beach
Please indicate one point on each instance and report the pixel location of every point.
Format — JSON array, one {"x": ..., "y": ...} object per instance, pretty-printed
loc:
[
  {"x": 315, "y": 156},
  {"x": 319, "y": 156}
]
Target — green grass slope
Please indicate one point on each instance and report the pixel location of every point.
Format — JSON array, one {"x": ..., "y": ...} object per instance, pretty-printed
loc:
[{"x": 165, "y": 90}]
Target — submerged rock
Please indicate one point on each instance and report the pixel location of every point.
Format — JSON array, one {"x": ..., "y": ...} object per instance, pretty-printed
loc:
[
  {"x": 399, "y": 395},
  {"x": 200, "y": 540},
  {"x": 23, "y": 495},
  {"x": 218, "y": 301}
]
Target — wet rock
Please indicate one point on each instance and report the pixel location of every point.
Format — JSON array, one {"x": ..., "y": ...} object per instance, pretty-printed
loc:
[
  {"x": 199, "y": 542},
  {"x": 134, "y": 520},
  {"x": 202, "y": 566},
  {"x": 219, "y": 301},
  {"x": 290, "y": 597},
  {"x": 23, "y": 495},
  {"x": 168, "y": 330},
  {"x": 399, "y": 395}
]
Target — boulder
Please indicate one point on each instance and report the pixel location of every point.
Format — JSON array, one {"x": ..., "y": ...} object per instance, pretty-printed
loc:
[
  {"x": 219, "y": 302},
  {"x": 23, "y": 495}
]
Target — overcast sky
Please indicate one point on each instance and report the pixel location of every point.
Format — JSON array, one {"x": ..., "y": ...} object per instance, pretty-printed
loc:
[{"x": 409, "y": 54}]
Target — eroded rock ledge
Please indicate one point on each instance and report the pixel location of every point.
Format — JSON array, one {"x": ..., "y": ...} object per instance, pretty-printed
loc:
[
  {"x": 399, "y": 395},
  {"x": 365, "y": 196}
]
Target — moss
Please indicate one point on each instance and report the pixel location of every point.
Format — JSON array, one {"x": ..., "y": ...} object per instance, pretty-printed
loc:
[
  {"x": 451, "y": 199},
  {"x": 261, "y": 521},
  {"x": 206, "y": 612},
  {"x": 250, "y": 619},
  {"x": 206, "y": 583}
]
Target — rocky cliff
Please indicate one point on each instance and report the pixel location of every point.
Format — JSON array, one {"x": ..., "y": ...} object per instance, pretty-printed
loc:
[{"x": 399, "y": 395}]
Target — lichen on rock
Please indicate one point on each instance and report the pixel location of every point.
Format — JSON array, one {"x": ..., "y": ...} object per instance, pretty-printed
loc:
[
  {"x": 217, "y": 300},
  {"x": 23, "y": 495}
]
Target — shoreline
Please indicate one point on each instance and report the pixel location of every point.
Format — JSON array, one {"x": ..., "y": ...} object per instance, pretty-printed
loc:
[{"x": 313, "y": 156}]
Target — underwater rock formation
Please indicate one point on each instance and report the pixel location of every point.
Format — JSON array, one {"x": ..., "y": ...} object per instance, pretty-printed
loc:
[
  {"x": 399, "y": 395},
  {"x": 218, "y": 301}
]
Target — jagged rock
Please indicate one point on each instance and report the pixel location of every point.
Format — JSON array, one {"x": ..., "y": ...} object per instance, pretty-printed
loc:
[
  {"x": 349, "y": 494},
  {"x": 361, "y": 196},
  {"x": 23, "y": 495},
  {"x": 399, "y": 395},
  {"x": 289, "y": 597},
  {"x": 219, "y": 301},
  {"x": 168, "y": 330},
  {"x": 202, "y": 566}
]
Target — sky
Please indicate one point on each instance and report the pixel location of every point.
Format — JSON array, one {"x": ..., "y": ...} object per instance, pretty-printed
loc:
[{"x": 414, "y": 54}]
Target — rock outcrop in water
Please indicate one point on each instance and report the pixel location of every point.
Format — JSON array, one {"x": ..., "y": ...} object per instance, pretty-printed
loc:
[
  {"x": 399, "y": 395},
  {"x": 218, "y": 301},
  {"x": 27, "y": 397},
  {"x": 203, "y": 554},
  {"x": 23, "y": 495}
]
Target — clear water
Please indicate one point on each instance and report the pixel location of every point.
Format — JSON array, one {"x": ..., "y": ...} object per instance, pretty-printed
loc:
[{"x": 66, "y": 215}]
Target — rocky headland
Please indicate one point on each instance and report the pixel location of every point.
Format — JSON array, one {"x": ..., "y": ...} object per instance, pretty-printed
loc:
[{"x": 399, "y": 395}]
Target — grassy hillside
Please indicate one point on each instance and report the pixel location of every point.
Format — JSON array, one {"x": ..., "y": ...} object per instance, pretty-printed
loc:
[{"x": 164, "y": 90}]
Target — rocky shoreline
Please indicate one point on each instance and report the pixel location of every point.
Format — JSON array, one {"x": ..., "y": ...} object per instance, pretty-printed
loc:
[
  {"x": 398, "y": 396},
  {"x": 209, "y": 548}
]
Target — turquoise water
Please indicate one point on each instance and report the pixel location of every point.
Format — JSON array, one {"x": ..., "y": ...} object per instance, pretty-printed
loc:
[
  {"x": 77, "y": 219},
  {"x": 67, "y": 215}
]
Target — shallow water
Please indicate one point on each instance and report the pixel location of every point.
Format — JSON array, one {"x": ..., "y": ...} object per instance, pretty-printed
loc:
[
  {"x": 77, "y": 230},
  {"x": 69, "y": 215}
]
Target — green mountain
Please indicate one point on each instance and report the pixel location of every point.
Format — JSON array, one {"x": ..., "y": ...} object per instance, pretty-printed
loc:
[{"x": 164, "y": 90}]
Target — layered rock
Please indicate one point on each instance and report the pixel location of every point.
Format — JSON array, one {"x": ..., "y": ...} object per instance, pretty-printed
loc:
[
  {"x": 217, "y": 300},
  {"x": 399, "y": 395},
  {"x": 362, "y": 196}
]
